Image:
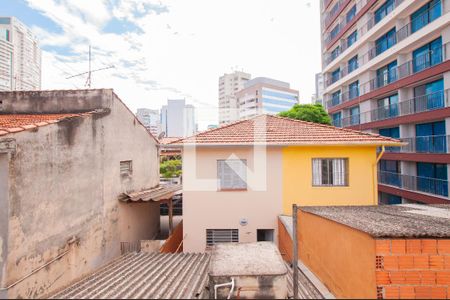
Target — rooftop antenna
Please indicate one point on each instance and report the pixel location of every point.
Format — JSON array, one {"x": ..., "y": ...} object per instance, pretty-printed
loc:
[{"x": 88, "y": 83}]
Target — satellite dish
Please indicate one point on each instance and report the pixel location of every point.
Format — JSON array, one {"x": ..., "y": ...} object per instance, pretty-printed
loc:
[{"x": 161, "y": 135}]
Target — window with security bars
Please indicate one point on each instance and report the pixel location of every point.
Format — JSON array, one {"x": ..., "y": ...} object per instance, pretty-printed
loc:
[
  {"x": 232, "y": 174},
  {"x": 330, "y": 171},
  {"x": 217, "y": 236},
  {"x": 126, "y": 167}
]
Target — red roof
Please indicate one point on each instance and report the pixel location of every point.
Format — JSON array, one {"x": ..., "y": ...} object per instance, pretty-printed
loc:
[
  {"x": 274, "y": 130},
  {"x": 16, "y": 123}
]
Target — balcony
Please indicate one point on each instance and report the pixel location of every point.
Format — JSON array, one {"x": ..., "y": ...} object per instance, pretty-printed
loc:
[
  {"x": 424, "y": 144},
  {"x": 329, "y": 17},
  {"x": 427, "y": 185},
  {"x": 400, "y": 35},
  {"x": 361, "y": 31},
  {"x": 415, "y": 105},
  {"x": 420, "y": 63}
]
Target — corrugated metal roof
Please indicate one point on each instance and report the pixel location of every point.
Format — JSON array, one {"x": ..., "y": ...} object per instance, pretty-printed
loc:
[
  {"x": 162, "y": 192},
  {"x": 145, "y": 276}
]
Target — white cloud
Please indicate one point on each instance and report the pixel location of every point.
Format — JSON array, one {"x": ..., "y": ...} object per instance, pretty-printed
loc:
[{"x": 182, "y": 46}]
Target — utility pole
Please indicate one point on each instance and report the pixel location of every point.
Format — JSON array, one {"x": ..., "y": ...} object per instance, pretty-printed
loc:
[
  {"x": 295, "y": 252},
  {"x": 88, "y": 83}
]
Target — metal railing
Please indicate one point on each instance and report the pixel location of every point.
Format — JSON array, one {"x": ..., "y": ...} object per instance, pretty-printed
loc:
[
  {"x": 332, "y": 13},
  {"x": 429, "y": 102},
  {"x": 360, "y": 32},
  {"x": 400, "y": 35},
  {"x": 419, "y": 63},
  {"x": 423, "y": 144},
  {"x": 428, "y": 185}
]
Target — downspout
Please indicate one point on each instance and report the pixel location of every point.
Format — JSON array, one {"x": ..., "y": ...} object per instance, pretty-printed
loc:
[{"x": 374, "y": 173}]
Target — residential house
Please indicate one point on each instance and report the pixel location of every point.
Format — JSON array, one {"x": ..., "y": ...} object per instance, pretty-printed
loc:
[
  {"x": 237, "y": 179},
  {"x": 374, "y": 252},
  {"x": 65, "y": 159}
]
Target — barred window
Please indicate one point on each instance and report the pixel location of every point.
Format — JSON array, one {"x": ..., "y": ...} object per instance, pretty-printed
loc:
[
  {"x": 216, "y": 236},
  {"x": 330, "y": 171},
  {"x": 232, "y": 174}
]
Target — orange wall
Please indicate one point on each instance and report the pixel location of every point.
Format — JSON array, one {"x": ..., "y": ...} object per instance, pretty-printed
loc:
[
  {"x": 174, "y": 240},
  {"x": 285, "y": 244},
  {"x": 341, "y": 257}
]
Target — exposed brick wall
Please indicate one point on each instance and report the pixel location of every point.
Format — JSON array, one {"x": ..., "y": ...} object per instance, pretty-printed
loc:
[{"x": 413, "y": 269}]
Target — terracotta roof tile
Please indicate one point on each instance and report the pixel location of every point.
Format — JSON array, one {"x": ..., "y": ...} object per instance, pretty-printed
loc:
[
  {"x": 13, "y": 123},
  {"x": 274, "y": 130}
]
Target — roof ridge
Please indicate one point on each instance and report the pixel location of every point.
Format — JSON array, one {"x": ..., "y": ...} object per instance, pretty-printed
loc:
[
  {"x": 214, "y": 129},
  {"x": 334, "y": 127}
]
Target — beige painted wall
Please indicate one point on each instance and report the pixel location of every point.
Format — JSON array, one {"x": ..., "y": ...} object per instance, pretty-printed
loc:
[
  {"x": 212, "y": 209},
  {"x": 64, "y": 181}
]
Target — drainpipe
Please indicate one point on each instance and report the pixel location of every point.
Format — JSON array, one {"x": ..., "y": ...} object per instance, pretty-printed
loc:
[
  {"x": 71, "y": 241},
  {"x": 374, "y": 172},
  {"x": 34, "y": 271}
]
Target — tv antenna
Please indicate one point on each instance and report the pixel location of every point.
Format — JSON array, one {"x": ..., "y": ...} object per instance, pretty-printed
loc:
[{"x": 89, "y": 77}]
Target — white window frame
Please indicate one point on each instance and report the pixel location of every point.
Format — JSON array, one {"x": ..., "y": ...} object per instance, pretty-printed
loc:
[
  {"x": 339, "y": 178},
  {"x": 236, "y": 178}
]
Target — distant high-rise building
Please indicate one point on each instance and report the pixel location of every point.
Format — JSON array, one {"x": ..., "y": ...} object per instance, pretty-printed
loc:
[
  {"x": 319, "y": 89},
  {"x": 229, "y": 85},
  {"x": 265, "y": 96},
  {"x": 20, "y": 57},
  {"x": 178, "y": 119},
  {"x": 150, "y": 118}
]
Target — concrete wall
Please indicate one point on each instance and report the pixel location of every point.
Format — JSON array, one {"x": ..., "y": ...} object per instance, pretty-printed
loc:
[
  {"x": 64, "y": 182},
  {"x": 206, "y": 208},
  {"x": 297, "y": 182},
  {"x": 4, "y": 210},
  {"x": 341, "y": 257}
]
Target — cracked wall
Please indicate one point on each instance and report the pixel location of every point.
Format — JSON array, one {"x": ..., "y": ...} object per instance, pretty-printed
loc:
[{"x": 64, "y": 182}]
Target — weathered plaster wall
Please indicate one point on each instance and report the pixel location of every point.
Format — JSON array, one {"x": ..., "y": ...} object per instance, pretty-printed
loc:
[
  {"x": 64, "y": 101},
  {"x": 65, "y": 181},
  {"x": 4, "y": 209}
]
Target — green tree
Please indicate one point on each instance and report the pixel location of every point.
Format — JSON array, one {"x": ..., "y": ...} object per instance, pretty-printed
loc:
[
  {"x": 308, "y": 112},
  {"x": 170, "y": 168}
]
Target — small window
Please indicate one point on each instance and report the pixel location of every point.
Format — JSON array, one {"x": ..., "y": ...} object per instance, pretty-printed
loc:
[
  {"x": 330, "y": 172},
  {"x": 264, "y": 235},
  {"x": 126, "y": 167},
  {"x": 232, "y": 174},
  {"x": 217, "y": 236}
]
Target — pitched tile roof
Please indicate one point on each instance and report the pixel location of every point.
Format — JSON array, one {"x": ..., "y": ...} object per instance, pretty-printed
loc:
[
  {"x": 12, "y": 123},
  {"x": 274, "y": 130}
]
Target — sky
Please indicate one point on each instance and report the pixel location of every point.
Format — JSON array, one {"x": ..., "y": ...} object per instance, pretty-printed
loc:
[{"x": 173, "y": 49}]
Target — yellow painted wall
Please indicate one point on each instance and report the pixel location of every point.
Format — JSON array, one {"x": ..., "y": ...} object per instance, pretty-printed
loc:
[{"x": 297, "y": 177}]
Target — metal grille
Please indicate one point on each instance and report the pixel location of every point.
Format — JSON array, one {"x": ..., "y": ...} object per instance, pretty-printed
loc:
[
  {"x": 126, "y": 167},
  {"x": 215, "y": 236}
]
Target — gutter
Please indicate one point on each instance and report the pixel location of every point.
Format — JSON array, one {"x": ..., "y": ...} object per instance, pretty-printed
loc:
[{"x": 374, "y": 173}]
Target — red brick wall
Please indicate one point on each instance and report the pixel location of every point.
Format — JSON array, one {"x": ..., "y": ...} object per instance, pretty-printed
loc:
[{"x": 413, "y": 269}]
